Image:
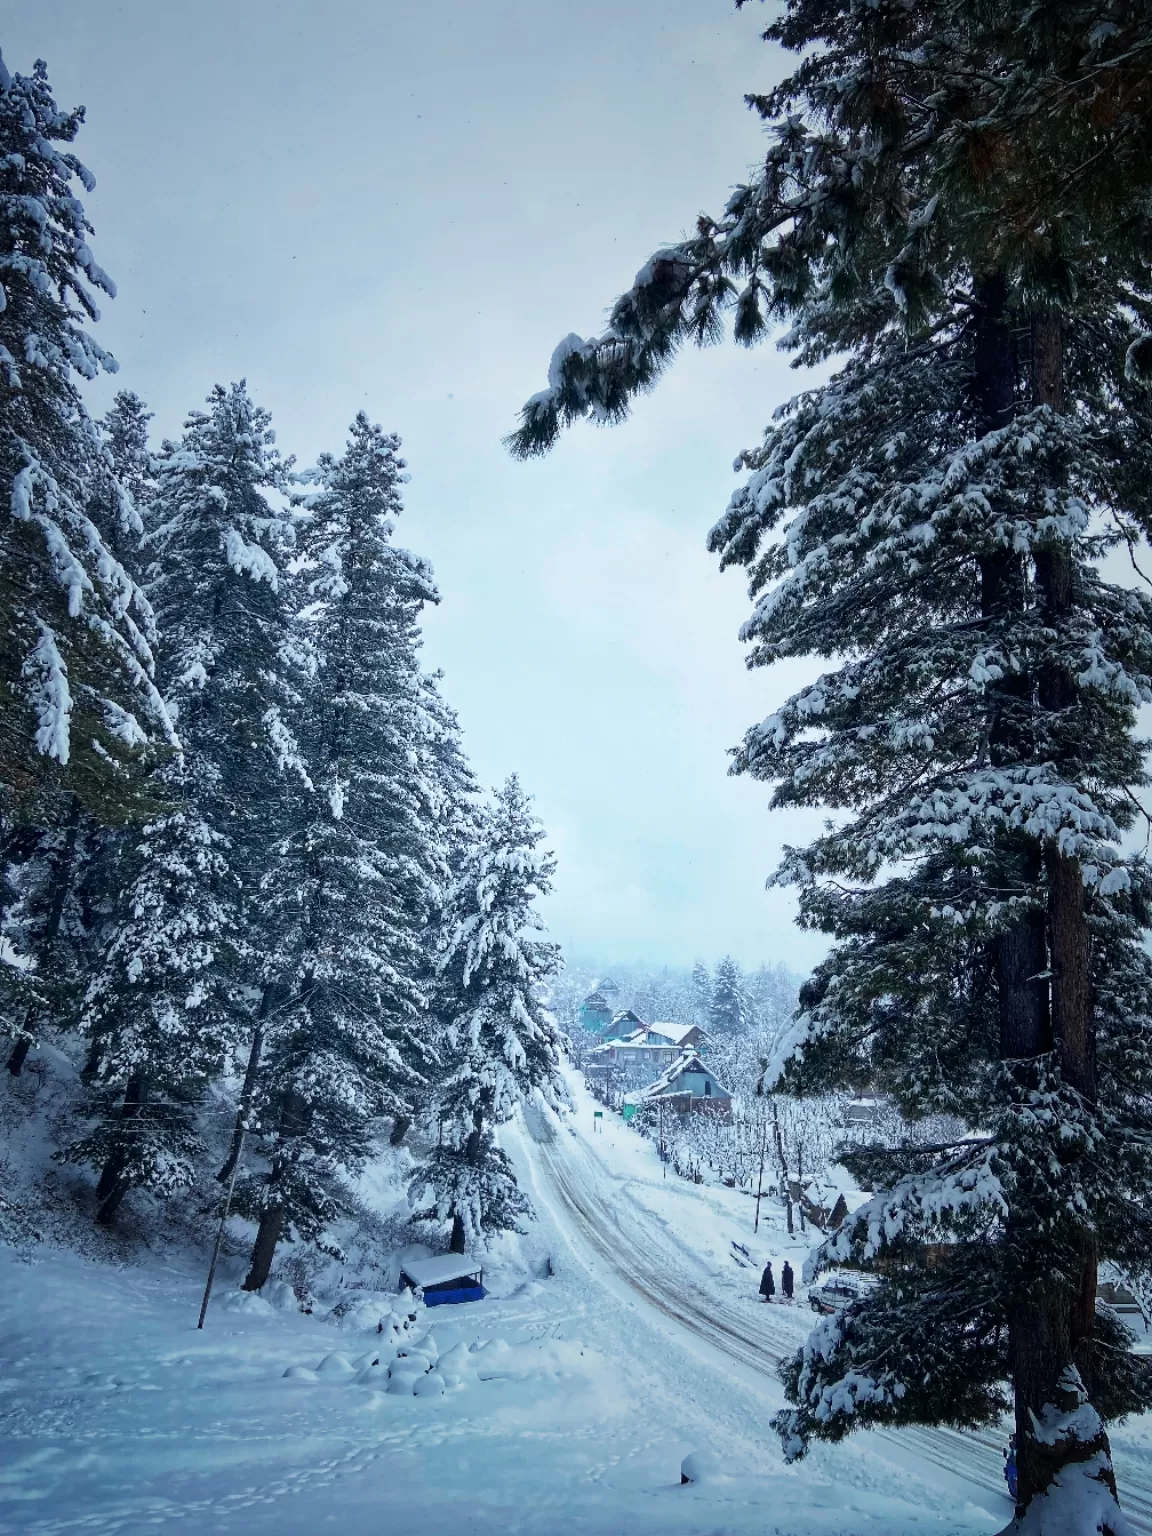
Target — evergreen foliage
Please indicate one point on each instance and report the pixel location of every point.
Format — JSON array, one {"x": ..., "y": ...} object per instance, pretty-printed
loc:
[
  {"x": 161, "y": 1008},
  {"x": 701, "y": 994},
  {"x": 499, "y": 1041},
  {"x": 44, "y": 928},
  {"x": 955, "y": 197},
  {"x": 362, "y": 863},
  {"x": 164, "y": 1010},
  {"x": 125, "y": 433},
  {"x": 78, "y": 707},
  {"x": 728, "y": 1006},
  {"x": 270, "y": 846}
]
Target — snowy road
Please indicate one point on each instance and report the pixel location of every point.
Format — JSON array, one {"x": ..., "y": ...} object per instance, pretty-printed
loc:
[
  {"x": 580, "y": 1394},
  {"x": 600, "y": 1207}
]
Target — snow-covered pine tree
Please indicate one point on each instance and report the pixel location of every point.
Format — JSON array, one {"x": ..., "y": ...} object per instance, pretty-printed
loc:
[
  {"x": 455, "y": 792},
  {"x": 498, "y": 1043},
  {"x": 79, "y": 896},
  {"x": 701, "y": 994},
  {"x": 454, "y": 805},
  {"x": 193, "y": 935},
  {"x": 125, "y": 434},
  {"x": 58, "y": 874},
  {"x": 41, "y": 931},
  {"x": 365, "y": 852},
  {"x": 78, "y": 708},
  {"x": 952, "y": 988},
  {"x": 162, "y": 1010},
  {"x": 956, "y": 196},
  {"x": 728, "y": 1008},
  {"x": 771, "y": 994}
]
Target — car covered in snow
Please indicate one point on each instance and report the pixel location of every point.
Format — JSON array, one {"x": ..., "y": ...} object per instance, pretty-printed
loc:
[{"x": 838, "y": 1292}]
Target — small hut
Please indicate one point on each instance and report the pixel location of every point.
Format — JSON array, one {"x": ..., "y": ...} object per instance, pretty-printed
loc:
[{"x": 445, "y": 1280}]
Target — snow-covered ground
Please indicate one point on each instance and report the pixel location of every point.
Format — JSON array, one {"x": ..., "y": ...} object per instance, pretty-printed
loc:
[{"x": 559, "y": 1403}]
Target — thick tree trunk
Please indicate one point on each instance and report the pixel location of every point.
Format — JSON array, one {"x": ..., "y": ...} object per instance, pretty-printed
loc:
[
  {"x": 1050, "y": 1321},
  {"x": 61, "y": 884},
  {"x": 108, "y": 1207},
  {"x": 19, "y": 1054},
  {"x": 114, "y": 1183},
  {"x": 1069, "y": 938},
  {"x": 264, "y": 1248},
  {"x": 457, "y": 1243},
  {"x": 1021, "y": 952},
  {"x": 295, "y": 1116},
  {"x": 1052, "y": 1326},
  {"x": 400, "y": 1128}
]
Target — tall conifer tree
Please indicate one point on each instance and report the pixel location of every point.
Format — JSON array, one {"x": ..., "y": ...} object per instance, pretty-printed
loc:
[
  {"x": 497, "y": 1040},
  {"x": 364, "y": 855},
  {"x": 78, "y": 708},
  {"x": 165, "y": 1009},
  {"x": 956, "y": 197},
  {"x": 77, "y": 701},
  {"x": 728, "y": 1006}
]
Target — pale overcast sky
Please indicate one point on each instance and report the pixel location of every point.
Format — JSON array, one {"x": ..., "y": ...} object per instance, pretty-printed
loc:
[{"x": 401, "y": 208}]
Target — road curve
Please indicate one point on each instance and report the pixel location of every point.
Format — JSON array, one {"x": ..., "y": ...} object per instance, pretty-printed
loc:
[{"x": 637, "y": 1249}]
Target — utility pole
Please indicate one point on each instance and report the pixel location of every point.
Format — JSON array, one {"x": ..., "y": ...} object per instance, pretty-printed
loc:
[
  {"x": 787, "y": 1190},
  {"x": 760, "y": 1175},
  {"x": 242, "y": 1131}
]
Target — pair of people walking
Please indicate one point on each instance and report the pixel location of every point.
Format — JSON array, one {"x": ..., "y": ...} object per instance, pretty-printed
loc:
[{"x": 768, "y": 1282}]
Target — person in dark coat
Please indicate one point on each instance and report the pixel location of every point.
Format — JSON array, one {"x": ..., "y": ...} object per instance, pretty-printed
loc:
[
  {"x": 767, "y": 1284},
  {"x": 786, "y": 1280}
]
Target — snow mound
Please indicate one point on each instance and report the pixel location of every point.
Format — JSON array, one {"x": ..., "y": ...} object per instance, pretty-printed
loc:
[
  {"x": 700, "y": 1467},
  {"x": 337, "y": 1369},
  {"x": 455, "y": 1365},
  {"x": 248, "y": 1301},
  {"x": 380, "y": 1312},
  {"x": 416, "y": 1368},
  {"x": 279, "y": 1295}
]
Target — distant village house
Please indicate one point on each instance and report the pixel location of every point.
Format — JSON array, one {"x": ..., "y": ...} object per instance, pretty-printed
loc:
[{"x": 685, "y": 1087}]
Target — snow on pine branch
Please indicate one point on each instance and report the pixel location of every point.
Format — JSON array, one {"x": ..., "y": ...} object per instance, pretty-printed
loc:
[{"x": 928, "y": 1204}]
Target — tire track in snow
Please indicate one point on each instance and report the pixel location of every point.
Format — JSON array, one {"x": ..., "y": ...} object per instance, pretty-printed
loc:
[{"x": 973, "y": 1456}]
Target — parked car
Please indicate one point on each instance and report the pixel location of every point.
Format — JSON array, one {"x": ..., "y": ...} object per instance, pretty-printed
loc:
[{"x": 837, "y": 1293}]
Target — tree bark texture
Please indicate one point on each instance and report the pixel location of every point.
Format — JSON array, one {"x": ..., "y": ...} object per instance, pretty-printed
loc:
[
  {"x": 113, "y": 1183},
  {"x": 1052, "y": 1324},
  {"x": 264, "y": 1248},
  {"x": 1042, "y": 961}
]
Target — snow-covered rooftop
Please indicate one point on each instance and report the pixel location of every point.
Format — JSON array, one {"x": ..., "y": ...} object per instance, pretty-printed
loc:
[
  {"x": 634, "y": 1042},
  {"x": 446, "y": 1266},
  {"x": 664, "y": 1084},
  {"x": 674, "y": 1033}
]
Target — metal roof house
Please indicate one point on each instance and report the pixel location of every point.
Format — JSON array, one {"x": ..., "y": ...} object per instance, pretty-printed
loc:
[
  {"x": 639, "y": 1049},
  {"x": 595, "y": 1012},
  {"x": 682, "y": 1035},
  {"x": 685, "y": 1087},
  {"x": 622, "y": 1024},
  {"x": 445, "y": 1280}
]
